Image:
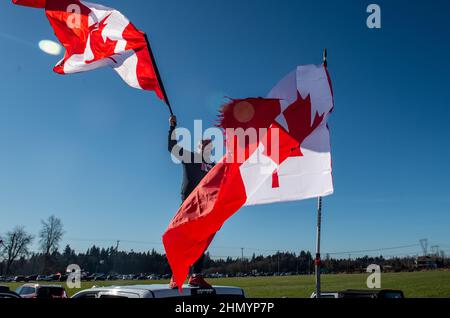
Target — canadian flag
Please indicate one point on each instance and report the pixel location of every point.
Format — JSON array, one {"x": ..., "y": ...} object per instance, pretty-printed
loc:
[
  {"x": 302, "y": 168},
  {"x": 96, "y": 36},
  {"x": 290, "y": 159}
]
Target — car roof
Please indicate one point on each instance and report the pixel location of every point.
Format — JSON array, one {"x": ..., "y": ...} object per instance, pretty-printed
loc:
[
  {"x": 5, "y": 291},
  {"x": 40, "y": 286},
  {"x": 9, "y": 294},
  {"x": 161, "y": 290}
]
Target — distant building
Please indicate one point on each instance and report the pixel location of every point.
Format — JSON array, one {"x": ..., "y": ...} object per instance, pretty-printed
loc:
[{"x": 428, "y": 262}]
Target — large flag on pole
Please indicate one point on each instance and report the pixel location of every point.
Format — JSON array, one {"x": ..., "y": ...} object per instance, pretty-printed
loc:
[
  {"x": 96, "y": 36},
  {"x": 288, "y": 159},
  {"x": 304, "y": 167}
]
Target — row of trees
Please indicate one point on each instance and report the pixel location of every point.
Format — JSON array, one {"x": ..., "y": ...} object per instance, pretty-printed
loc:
[
  {"x": 15, "y": 258},
  {"x": 15, "y": 245},
  {"x": 112, "y": 261}
]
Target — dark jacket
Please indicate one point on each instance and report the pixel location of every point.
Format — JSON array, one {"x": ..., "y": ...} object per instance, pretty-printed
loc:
[{"x": 195, "y": 168}]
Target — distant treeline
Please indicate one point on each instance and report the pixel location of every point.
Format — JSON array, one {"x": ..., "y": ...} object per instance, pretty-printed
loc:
[{"x": 111, "y": 261}]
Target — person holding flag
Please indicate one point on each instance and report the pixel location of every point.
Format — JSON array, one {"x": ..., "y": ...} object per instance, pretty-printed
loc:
[
  {"x": 295, "y": 165},
  {"x": 196, "y": 166}
]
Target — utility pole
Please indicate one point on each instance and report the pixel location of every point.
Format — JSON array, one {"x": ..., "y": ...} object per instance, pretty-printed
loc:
[
  {"x": 116, "y": 252},
  {"x": 435, "y": 250},
  {"x": 1, "y": 263},
  {"x": 424, "y": 244},
  {"x": 278, "y": 261},
  {"x": 348, "y": 263}
]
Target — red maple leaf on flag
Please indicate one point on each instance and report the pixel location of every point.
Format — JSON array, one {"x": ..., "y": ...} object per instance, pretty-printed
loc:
[
  {"x": 298, "y": 119},
  {"x": 262, "y": 113},
  {"x": 100, "y": 47}
]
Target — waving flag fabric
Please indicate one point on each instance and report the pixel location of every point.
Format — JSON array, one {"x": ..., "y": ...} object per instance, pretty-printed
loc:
[
  {"x": 288, "y": 160},
  {"x": 96, "y": 36},
  {"x": 31, "y": 3},
  {"x": 303, "y": 169}
]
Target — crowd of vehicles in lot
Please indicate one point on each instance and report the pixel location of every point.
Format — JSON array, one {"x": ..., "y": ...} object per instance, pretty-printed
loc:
[
  {"x": 112, "y": 277},
  {"x": 37, "y": 286},
  {"x": 84, "y": 277},
  {"x": 34, "y": 278}
]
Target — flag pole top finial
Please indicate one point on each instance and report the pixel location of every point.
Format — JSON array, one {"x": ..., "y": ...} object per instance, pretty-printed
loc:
[{"x": 325, "y": 58}]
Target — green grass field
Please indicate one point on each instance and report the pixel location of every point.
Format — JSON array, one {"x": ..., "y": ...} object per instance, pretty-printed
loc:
[{"x": 433, "y": 284}]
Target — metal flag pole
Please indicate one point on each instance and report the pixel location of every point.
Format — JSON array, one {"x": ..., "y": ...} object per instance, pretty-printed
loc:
[
  {"x": 317, "y": 262},
  {"x": 158, "y": 75}
]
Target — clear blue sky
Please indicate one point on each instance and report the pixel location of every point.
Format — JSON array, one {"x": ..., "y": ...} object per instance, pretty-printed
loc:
[{"x": 92, "y": 151}]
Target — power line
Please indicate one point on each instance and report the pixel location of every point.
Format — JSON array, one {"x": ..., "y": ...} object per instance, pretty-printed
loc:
[
  {"x": 159, "y": 244},
  {"x": 114, "y": 241},
  {"x": 375, "y": 250}
]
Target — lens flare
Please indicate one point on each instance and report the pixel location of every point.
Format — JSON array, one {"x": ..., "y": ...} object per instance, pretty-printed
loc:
[{"x": 50, "y": 47}]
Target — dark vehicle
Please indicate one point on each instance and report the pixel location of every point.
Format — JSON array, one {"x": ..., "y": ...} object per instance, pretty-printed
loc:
[
  {"x": 100, "y": 277},
  {"x": 86, "y": 277},
  {"x": 41, "y": 291},
  {"x": 54, "y": 278},
  {"x": 32, "y": 278},
  {"x": 20, "y": 279},
  {"x": 113, "y": 277},
  {"x": 354, "y": 293},
  {"x": 41, "y": 278},
  {"x": 6, "y": 293}
]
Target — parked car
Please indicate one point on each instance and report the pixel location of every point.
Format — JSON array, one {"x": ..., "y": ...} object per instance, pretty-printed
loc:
[
  {"x": 32, "y": 278},
  {"x": 354, "y": 293},
  {"x": 161, "y": 291},
  {"x": 141, "y": 277},
  {"x": 100, "y": 277},
  {"x": 153, "y": 277},
  {"x": 20, "y": 279},
  {"x": 5, "y": 292},
  {"x": 41, "y": 278},
  {"x": 53, "y": 278},
  {"x": 41, "y": 291}
]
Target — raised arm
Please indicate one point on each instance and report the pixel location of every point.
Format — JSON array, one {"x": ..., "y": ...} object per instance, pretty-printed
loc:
[
  {"x": 172, "y": 142},
  {"x": 180, "y": 153}
]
